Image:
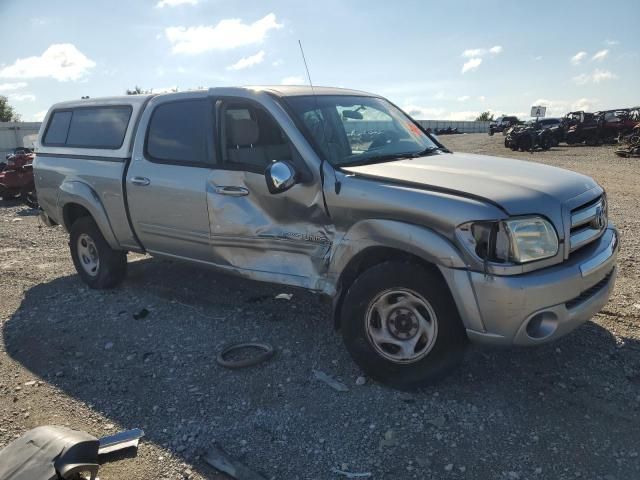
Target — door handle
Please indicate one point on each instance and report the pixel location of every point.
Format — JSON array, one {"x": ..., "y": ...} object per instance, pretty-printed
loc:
[
  {"x": 232, "y": 191},
  {"x": 140, "y": 181}
]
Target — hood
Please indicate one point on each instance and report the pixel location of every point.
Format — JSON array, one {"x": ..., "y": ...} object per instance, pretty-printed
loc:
[{"x": 518, "y": 187}]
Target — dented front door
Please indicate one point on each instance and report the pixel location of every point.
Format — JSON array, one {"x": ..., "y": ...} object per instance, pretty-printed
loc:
[{"x": 283, "y": 238}]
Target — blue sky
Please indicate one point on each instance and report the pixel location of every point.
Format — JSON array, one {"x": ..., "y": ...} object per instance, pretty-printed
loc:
[{"x": 438, "y": 60}]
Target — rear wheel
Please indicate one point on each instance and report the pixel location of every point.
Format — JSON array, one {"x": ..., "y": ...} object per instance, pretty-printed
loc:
[
  {"x": 401, "y": 326},
  {"x": 96, "y": 262}
]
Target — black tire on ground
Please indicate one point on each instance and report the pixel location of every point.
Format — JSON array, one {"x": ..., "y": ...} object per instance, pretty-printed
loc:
[
  {"x": 450, "y": 340},
  {"x": 112, "y": 264}
]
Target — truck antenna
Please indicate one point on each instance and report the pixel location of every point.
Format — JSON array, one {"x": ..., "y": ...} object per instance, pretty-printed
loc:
[
  {"x": 306, "y": 67},
  {"x": 324, "y": 133}
]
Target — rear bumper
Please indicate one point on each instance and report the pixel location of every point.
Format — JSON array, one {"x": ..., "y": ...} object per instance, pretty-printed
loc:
[{"x": 541, "y": 306}]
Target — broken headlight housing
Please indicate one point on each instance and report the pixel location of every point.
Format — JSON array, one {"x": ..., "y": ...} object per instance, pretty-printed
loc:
[{"x": 515, "y": 241}]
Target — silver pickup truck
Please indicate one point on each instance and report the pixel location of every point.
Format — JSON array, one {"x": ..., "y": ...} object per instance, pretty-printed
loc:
[{"x": 339, "y": 192}]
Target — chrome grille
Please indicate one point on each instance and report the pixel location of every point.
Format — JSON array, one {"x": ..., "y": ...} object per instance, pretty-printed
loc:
[{"x": 587, "y": 223}]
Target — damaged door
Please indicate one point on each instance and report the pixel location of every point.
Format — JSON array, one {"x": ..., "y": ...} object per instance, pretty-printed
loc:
[{"x": 284, "y": 237}]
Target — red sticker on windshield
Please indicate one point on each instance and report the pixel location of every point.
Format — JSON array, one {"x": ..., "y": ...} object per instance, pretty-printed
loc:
[{"x": 414, "y": 128}]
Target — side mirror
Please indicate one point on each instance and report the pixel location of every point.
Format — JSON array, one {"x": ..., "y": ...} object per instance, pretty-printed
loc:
[{"x": 280, "y": 176}]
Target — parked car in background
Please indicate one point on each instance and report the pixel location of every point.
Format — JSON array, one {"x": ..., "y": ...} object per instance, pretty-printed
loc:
[
  {"x": 502, "y": 123},
  {"x": 532, "y": 135},
  {"x": 618, "y": 123},
  {"x": 582, "y": 127},
  {"x": 418, "y": 249},
  {"x": 16, "y": 177}
]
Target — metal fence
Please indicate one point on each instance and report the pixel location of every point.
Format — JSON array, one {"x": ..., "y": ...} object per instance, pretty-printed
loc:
[
  {"x": 17, "y": 134},
  {"x": 463, "y": 127}
]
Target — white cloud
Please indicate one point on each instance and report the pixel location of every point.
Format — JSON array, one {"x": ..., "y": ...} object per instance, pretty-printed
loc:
[
  {"x": 474, "y": 55},
  {"x": 439, "y": 96},
  {"x": 38, "y": 117},
  {"x": 578, "y": 57},
  {"x": 482, "y": 98},
  {"x": 471, "y": 65},
  {"x": 293, "y": 80},
  {"x": 175, "y": 3},
  {"x": 538, "y": 58},
  {"x": 464, "y": 98},
  {"x": 481, "y": 52},
  {"x": 22, "y": 97},
  {"x": 601, "y": 55},
  {"x": 423, "y": 113},
  {"x": 558, "y": 108},
  {"x": 247, "y": 62},
  {"x": 165, "y": 89},
  {"x": 426, "y": 113},
  {"x": 62, "y": 61},
  {"x": 611, "y": 42},
  {"x": 465, "y": 115},
  {"x": 5, "y": 87},
  {"x": 225, "y": 35},
  {"x": 277, "y": 63},
  {"x": 596, "y": 76},
  {"x": 474, "y": 52}
]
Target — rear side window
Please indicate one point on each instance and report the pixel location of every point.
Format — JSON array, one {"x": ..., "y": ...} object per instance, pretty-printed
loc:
[
  {"x": 58, "y": 128},
  {"x": 89, "y": 127},
  {"x": 98, "y": 127},
  {"x": 177, "y": 132}
]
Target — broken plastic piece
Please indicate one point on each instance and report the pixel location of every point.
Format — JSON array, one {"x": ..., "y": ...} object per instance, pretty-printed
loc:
[{"x": 220, "y": 460}]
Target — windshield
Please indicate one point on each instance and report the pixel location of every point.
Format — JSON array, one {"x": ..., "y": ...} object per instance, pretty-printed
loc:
[{"x": 358, "y": 130}]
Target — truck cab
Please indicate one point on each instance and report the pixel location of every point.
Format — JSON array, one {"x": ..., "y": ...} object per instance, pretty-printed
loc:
[{"x": 339, "y": 192}]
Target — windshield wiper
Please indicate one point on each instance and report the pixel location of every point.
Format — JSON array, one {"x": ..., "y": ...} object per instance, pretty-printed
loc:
[{"x": 393, "y": 156}]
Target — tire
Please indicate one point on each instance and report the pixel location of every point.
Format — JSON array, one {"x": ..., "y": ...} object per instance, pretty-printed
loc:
[
  {"x": 435, "y": 354},
  {"x": 88, "y": 245}
]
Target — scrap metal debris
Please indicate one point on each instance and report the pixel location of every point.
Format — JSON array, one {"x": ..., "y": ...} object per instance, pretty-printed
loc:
[
  {"x": 220, "y": 460},
  {"x": 332, "y": 382},
  {"x": 351, "y": 474},
  {"x": 284, "y": 296},
  {"x": 267, "y": 353}
]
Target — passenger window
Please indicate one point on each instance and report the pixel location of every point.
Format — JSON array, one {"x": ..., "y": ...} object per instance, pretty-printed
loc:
[
  {"x": 177, "y": 132},
  {"x": 58, "y": 128},
  {"x": 102, "y": 127},
  {"x": 253, "y": 138}
]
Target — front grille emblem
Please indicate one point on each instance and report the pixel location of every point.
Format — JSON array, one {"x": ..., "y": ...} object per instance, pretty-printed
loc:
[{"x": 600, "y": 219}]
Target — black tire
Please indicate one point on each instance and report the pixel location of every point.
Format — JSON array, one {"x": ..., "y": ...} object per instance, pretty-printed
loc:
[
  {"x": 112, "y": 264},
  {"x": 450, "y": 340}
]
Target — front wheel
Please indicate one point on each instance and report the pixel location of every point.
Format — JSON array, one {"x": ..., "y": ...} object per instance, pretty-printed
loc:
[
  {"x": 96, "y": 262},
  {"x": 401, "y": 325}
]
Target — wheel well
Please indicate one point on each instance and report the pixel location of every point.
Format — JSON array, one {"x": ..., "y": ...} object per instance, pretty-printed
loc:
[
  {"x": 72, "y": 212},
  {"x": 368, "y": 258}
]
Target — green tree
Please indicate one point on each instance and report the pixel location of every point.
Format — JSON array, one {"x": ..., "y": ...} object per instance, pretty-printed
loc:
[
  {"x": 137, "y": 91},
  {"x": 7, "y": 112},
  {"x": 485, "y": 117}
]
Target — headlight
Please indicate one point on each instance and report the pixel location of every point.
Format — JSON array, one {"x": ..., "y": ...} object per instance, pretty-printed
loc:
[{"x": 519, "y": 240}]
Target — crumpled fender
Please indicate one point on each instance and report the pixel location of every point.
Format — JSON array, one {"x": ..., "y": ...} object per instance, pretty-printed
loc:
[
  {"x": 78, "y": 192},
  {"x": 414, "y": 239},
  {"x": 417, "y": 240}
]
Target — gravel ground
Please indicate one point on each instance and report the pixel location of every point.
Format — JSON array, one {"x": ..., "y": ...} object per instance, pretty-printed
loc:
[{"x": 562, "y": 411}]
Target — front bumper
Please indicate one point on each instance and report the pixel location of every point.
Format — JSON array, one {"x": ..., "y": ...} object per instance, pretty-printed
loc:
[{"x": 541, "y": 306}]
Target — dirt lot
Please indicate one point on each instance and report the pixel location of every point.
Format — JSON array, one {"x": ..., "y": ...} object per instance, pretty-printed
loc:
[{"x": 563, "y": 411}]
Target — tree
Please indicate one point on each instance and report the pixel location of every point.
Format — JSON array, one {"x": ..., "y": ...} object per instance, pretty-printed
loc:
[
  {"x": 485, "y": 117},
  {"x": 137, "y": 91},
  {"x": 7, "y": 112}
]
